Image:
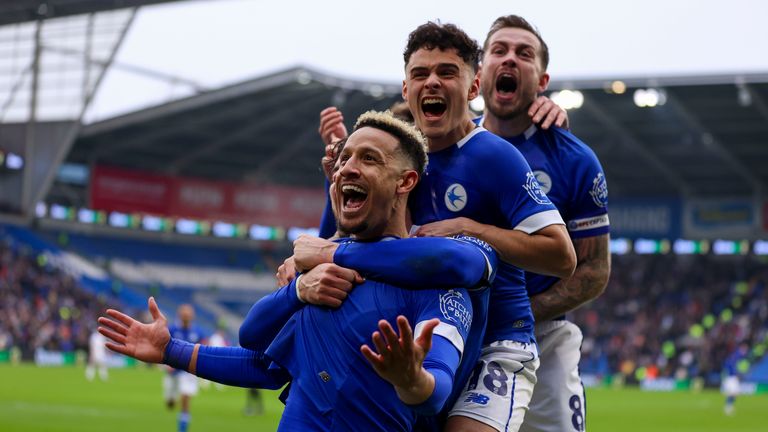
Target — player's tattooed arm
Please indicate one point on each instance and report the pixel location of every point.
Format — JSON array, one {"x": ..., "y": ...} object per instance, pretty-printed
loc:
[{"x": 587, "y": 283}]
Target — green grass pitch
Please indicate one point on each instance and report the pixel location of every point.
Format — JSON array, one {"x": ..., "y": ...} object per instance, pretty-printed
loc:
[{"x": 59, "y": 399}]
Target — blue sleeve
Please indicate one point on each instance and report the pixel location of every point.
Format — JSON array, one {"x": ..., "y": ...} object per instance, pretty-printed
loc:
[
  {"x": 441, "y": 361},
  {"x": 454, "y": 309},
  {"x": 586, "y": 214},
  {"x": 227, "y": 365},
  {"x": 267, "y": 317},
  {"x": 522, "y": 202},
  {"x": 328, "y": 220},
  {"x": 421, "y": 263}
]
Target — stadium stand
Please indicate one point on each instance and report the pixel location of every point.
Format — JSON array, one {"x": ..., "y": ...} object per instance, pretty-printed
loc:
[
  {"x": 130, "y": 270},
  {"x": 676, "y": 316},
  {"x": 41, "y": 306}
]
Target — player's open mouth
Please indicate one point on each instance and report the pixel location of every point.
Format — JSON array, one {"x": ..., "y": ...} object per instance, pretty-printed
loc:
[
  {"x": 506, "y": 84},
  {"x": 433, "y": 107},
  {"x": 353, "y": 197}
]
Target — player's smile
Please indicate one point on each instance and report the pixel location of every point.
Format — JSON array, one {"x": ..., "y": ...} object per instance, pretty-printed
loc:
[
  {"x": 433, "y": 107},
  {"x": 437, "y": 86},
  {"x": 353, "y": 197}
]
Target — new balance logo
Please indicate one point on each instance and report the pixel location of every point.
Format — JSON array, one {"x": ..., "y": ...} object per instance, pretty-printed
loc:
[{"x": 477, "y": 398}]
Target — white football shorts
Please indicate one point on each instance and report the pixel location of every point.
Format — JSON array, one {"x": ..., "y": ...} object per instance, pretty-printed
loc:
[
  {"x": 730, "y": 386},
  {"x": 558, "y": 403},
  {"x": 180, "y": 383},
  {"x": 501, "y": 385}
]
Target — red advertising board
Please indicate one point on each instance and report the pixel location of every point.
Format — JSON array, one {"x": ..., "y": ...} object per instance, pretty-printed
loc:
[{"x": 117, "y": 189}]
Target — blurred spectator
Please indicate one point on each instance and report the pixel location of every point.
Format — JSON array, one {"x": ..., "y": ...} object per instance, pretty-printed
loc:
[
  {"x": 42, "y": 307},
  {"x": 674, "y": 316}
]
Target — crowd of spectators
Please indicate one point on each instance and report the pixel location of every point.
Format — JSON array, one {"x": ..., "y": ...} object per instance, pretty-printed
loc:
[
  {"x": 676, "y": 316},
  {"x": 41, "y": 307}
]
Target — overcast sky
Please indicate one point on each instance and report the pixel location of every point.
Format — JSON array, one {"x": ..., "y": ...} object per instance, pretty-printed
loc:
[{"x": 218, "y": 42}]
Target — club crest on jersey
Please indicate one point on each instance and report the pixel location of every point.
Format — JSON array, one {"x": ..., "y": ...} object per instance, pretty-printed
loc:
[
  {"x": 455, "y": 197},
  {"x": 453, "y": 309},
  {"x": 545, "y": 181},
  {"x": 534, "y": 189},
  {"x": 599, "y": 191}
]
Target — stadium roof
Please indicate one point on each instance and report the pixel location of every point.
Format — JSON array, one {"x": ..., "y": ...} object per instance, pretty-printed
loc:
[
  {"x": 17, "y": 11},
  {"x": 708, "y": 139}
]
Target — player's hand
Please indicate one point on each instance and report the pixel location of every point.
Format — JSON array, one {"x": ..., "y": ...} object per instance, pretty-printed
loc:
[
  {"x": 286, "y": 272},
  {"x": 332, "y": 127},
  {"x": 444, "y": 228},
  {"x": 327, "y": 285},
  {"x": 145, "y": 342},
  {"x": 400, "y": 359},
  {"x": 331, "y": 130},
  {"x": 546, "y": 113},
  {"x": 310, "y": 251}
]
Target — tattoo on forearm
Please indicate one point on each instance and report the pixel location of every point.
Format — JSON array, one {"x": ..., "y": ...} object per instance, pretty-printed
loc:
[{"x": 587, "y": 282}]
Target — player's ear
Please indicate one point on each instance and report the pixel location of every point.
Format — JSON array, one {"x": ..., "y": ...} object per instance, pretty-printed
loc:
[
  {"x": 407, "y": 181},
  {"x": 474, "y": 86},
  {"x": 405, "y": 91},
  {"x": 543, "y": 82}
]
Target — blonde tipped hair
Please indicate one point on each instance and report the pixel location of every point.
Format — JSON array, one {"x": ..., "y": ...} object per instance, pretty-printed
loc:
[{"x": 412, "y": 143}]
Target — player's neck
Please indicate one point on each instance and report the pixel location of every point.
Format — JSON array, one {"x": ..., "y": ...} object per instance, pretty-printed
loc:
[
  {"x": 451, "y": 138},
  {"x": 506, "y": 127},
  {"x": 395, "y": 225}
]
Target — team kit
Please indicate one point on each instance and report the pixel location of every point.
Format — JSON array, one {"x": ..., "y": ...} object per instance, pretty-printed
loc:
[{"x": 450, "y": 251}]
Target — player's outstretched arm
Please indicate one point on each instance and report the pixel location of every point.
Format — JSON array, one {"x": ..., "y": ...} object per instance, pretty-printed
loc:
[
  {"x": 145, "y": 342},
  {"x": 546, "y": 113},
  {"x": 587, "y": 283},
  {"x": 153, "y": 343}
]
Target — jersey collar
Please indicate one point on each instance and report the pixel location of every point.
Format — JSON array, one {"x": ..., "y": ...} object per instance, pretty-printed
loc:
[
  {"x": 469, "y": 136},
  {"x": 518, "y": 139}
]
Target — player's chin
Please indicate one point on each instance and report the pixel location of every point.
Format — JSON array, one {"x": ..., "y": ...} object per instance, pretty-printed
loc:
[{"x": 352, "y": 226}]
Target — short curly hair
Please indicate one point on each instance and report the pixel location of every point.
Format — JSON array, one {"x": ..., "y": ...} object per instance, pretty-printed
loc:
[
  {"x": 413, "y": 145},
  {"x": 444, "y": 37}
]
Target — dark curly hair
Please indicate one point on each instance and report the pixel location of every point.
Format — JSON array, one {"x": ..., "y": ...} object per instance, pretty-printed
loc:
[{"x": 443, "y": 36}]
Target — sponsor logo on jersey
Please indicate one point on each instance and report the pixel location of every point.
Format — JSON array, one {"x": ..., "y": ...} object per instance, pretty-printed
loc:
[
  {"x": 534, "y": 189},
  {"x": 545, "y": 181},
  {"x": 588, "y": 223},
  {"x": 474, "y": 240},
  {"x": 477, "y": 398},
  {"x": 599, "y": 191},
  {"x": 453, "y": 308},
  {"x": 455, "y": 197}
]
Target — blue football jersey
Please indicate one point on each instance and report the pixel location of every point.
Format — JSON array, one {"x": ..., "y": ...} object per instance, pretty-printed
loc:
[
  {"x": 334, "y": 386},
  {"x": 485, "y": 179},
  {"x": 573, "y": 179}
]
